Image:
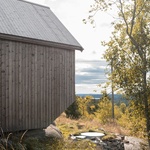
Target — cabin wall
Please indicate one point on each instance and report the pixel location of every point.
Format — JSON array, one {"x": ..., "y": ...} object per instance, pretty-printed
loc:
[{"x": 37, "y": 84}]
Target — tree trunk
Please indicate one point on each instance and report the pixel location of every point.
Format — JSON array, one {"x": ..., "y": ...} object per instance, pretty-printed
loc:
[
  {"x": 145, "y": 98},
  {"x": 112, "y": 90}
]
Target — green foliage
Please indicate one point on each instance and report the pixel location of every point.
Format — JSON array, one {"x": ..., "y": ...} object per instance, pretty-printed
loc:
[
  {"x": 73, "y": 111},
  {"x": 123, "y": 107},
  {"x": 83, "y": 106},
  {"x": 104, "y": 111},
  {"x": 133, "y": 119},
  {"x": 92, "y": 107}
]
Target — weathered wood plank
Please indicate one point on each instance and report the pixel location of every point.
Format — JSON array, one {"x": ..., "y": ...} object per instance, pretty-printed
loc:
[
  {"x": 3, "y": 72},
  {"x": 13, "y": 101},
  {"x": 67, "y": 79},
  {"x": 39, "y": 88},
  {"x": 46, "y": 88},
  {"x": 17, "y": 83},
  {"x": 29, "y": 105},
  {"x": 32, "y": 102},
  {"x": 63, "y": 80},
  {"x": 64, "y": 76},
  {"x": 50, "y": 78},
  {"x": 10, "y": 88},
  {"x": 26, "y": 111},
  {"x": 20, "y": 74},
  {"x": 1, "y": 83},
  {"x": 53, "y": 85},
  {"x": 24, "y": 85},
  {"x": 60, "y": 88},
  {"x": 7, "y": 85},
  {"x": 36, "y": 89},
  {"x": 73, "y": 76}
]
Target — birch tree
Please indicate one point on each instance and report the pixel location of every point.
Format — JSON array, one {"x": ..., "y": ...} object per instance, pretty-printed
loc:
[{"x": 129, "y": 48}]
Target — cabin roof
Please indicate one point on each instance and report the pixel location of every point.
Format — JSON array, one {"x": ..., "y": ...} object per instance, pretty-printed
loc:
[{"x": 29, "y": 22}]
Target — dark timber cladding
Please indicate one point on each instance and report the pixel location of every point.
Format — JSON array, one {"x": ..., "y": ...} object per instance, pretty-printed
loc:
[
  {"x": 37, "y": 84},
  {"x": 37, "y": 66}
]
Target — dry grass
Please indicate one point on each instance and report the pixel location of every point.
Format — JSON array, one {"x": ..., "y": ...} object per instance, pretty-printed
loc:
[{"x": 69, "y": 126}]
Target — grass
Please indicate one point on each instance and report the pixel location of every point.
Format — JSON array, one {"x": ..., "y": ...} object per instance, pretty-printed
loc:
[
  {"x": 34, "y": 143},
  {"x": 67, "y": 127}
]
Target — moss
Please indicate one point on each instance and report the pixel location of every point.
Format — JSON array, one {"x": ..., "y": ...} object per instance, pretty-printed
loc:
[{"x": 108, "y": 137}]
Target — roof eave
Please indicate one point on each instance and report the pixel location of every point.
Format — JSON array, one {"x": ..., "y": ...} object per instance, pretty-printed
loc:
[{"x": 40, "y": 42}]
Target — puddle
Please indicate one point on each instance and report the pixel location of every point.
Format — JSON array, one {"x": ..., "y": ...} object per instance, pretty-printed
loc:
[
  {"x": 88, "y": 135},
  {"x": 92, "y": 134}
]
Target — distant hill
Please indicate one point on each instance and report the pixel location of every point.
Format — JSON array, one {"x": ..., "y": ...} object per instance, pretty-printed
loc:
[{"x": 118, "y": 98}]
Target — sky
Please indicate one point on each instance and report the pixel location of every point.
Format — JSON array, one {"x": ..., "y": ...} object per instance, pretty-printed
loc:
[{"x": 90, "y": 65}]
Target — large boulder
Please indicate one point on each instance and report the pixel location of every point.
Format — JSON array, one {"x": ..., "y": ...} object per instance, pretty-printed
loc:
[{"x": 53, "y": 131}]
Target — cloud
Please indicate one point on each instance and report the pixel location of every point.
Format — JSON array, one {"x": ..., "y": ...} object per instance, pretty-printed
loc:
[
  {"x": 87, "y": 89},
  {"x": 92, "y": 79},
  {"x": 90, "y": 72}
]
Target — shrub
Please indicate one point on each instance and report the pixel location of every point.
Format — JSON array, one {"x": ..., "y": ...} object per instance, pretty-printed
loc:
[
  {"x": 134, "y": 120},
  {"x": 72, "y": 111}
]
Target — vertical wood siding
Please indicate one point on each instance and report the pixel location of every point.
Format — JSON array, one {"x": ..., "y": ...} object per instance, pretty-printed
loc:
[{"x": 37, "y": 84}]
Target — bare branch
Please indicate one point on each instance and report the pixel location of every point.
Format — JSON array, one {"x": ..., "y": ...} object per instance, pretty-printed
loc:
[
  {"x": 129, "y": 33},
  {"x": 133, "y": 17}
]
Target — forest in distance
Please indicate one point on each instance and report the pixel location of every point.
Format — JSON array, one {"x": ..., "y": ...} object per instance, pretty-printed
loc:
[{"x": 118, "y": 98}]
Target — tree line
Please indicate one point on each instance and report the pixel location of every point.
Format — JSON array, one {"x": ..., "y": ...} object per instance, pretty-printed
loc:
[{"x": 129, "y": 116}]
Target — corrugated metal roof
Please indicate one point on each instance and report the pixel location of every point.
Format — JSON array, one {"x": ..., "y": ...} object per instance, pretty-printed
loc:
[{"x": 23, "y": 19}]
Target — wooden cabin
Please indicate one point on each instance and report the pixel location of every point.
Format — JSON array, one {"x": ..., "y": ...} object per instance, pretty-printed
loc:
[{"x": 37, "y": 66}]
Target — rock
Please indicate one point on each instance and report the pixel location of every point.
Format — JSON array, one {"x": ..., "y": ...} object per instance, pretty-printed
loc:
[
  {"x": 126, "y": 143},
  {"x": 53, "y": 131},
  {"x": 115, "y": 144},
  {"x": 134, "y": 143}
]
